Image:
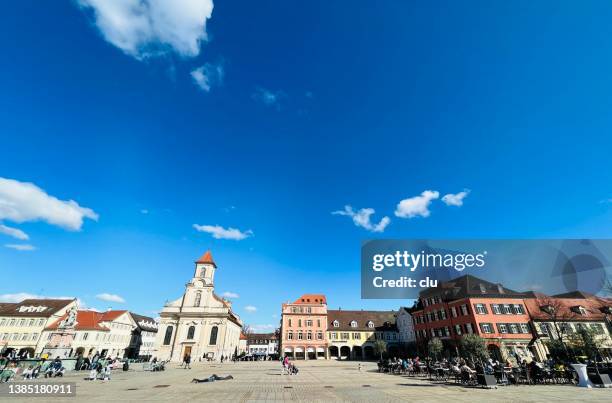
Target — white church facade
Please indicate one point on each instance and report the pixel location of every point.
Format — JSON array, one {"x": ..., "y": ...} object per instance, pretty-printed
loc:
[{"x": 199, "y": 323}]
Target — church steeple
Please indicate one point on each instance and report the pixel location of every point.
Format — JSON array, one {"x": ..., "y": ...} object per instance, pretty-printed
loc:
[{"x": 205, "y": 268}]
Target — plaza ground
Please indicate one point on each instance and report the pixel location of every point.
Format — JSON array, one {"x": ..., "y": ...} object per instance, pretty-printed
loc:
[{"x": 316, "y": 381}]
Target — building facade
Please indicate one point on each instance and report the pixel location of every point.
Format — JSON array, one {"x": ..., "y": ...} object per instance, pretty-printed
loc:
[
  {"x": 108, "y": 334},
  {"x": 303, "y": 327},
  {"x": 470, "y": 305},
  {"x": 559, "y": 317},
  {"x": 264, "y": 345},
  {"x": 199, "y": 323},
  {"x": 142, "y": 345},
  {"x": 405, "y": 326},
  {"x": 353, "y": 334},
  {"x": 22, "y": 323}
]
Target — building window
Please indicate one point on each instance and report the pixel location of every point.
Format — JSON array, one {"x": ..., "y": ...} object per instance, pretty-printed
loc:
[
  {"x": 344, "y": 336},
  {"x": 213, "y": 335},
  {"x": 309, "y": 336},
  {"x": 458, "y": 330},
  {"x": 289, "y": 335},
  {"x": 190, "y": 332},
  {"x": 308, "y": 310},
  {"x": 289, "y": 322},
  {"x": 453, "y": 312},
  {"x": 464, "y": 310},
  {"x": 370, "y": 324},
  {"x": 333, "y": 336},
  {"x": 507, "y": 310},
  {"x": 198, "y": 298},
  {"x": 336, "y": 323},
  {"x": 442, "y": 314},
  {"x": 566, "y": 328},
  {"x": 357, "y": 336},
  {"x": 300, "y": 335},
  {"x": 299, "y": 322},
  {"x": 85, "y": 335},
  {"x": 318, "y": 322},
  {"x": 168, "y": 336},
  {"x": 486, "y": 328},
  {"x": 496, "y": 309},
  {"x": 514, "y": 328},
  {"x": 518, "y": 309},
  {"x": 481, "y": 309},
  {"x": 319, "y": 335},
  {"x": 469, "y": 328},
  {"x": 502, "y": 328},
  {"x": 597, "y": 328},
  {"x": 524, "y": 328},
  {"x": 31, "y": 322},
  {"x": 353, "y": 323},
  {"x": 309, "y": 323}
]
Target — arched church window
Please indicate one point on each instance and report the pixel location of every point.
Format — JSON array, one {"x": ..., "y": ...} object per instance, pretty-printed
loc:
[
  {"x": 213, "y": 335},
  {"x": 190, "y": 332},
  {"x": 168, "y": 335},
  {"x": 198, "y": 298}
]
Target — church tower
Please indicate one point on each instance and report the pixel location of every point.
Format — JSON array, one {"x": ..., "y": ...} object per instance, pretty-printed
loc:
[{"x": 205, "y": 269}]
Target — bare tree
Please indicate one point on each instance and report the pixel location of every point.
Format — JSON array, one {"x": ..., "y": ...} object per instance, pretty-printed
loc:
[
  {"x": 555, "y": 312},
  {"x": 247, "y": 329}
]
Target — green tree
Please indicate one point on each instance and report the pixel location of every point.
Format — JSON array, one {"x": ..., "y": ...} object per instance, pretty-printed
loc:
[
  {"x": 434, "y": 347},
  {"x": 473, "y": 347},
  {"x": 380, "y": 347},
  {"x": 588, "y": 342}
]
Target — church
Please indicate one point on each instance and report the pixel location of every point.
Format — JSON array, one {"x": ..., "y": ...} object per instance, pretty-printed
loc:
[{"x": 199, "y": 323}]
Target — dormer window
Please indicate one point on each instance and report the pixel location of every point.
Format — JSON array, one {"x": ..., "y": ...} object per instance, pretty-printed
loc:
[
  {"x": 370, "y": 324},
  {"x": 579, "y": 309},
  {"x": 336, "y": 323},
  {"x": 353, "y": 324},
  {"x": 549, "y": 309},
  {"x": 483, "y": 289}
]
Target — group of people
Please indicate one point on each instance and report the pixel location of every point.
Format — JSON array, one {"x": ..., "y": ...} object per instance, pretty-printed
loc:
[
  {"x": 49, "y": 369},
  {"x": 287, "y": 367}
]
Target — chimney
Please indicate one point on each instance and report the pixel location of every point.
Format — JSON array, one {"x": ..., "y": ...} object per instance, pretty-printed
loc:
[{"x": 500, "y": 289}]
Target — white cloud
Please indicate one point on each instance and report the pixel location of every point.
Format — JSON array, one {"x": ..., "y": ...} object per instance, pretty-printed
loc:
[
  {"x": 250, "y": 308},
  {"x": 361, "y": 218},
  {"x": 455, "y": 199},
  {"x": 23, "y": 201},
  {"x": 263, "y": 328},
  {"x": 417, "y": 205},
  {"x": 267, "y": 97},
  {"x": 218, "y": 232},
  {"x": 14, "y": 232},
  {"x": 229, "y": 294},
  {"x": 144, "y": 211},
  {"x": 147, "y": 28},
  {"x": 20, "y": 246},
  {"x": 208, "y": 75},
  {"x": 110, "y": 298}
]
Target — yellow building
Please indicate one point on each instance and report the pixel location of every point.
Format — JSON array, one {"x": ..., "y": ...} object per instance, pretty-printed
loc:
[
  {"x": 352, "y": 334},
  {"x": 22, "y": 323}
]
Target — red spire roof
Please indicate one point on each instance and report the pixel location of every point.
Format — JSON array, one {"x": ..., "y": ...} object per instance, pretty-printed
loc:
[{"x": 207, "y": 258}]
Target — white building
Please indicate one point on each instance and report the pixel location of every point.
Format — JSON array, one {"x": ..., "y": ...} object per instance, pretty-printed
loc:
[
  {"x": 405, "y": 326},
  {"x": 106, "y": 333},
  {"x": 143, "y": 337},
  {"x": 262, "y": 344},
  {"x": 199, "y": 323},
  {"x": 21, "y": 324}
]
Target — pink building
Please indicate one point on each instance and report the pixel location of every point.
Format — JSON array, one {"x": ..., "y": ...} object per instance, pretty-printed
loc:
[{"x": 303, "y": 327}]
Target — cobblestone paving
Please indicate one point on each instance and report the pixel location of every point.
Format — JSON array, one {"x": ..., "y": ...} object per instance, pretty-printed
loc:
[{"x": 317, "y": 381}]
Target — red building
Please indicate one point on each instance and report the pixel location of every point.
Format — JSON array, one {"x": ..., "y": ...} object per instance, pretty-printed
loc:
[{"x": 470, "y": 305}]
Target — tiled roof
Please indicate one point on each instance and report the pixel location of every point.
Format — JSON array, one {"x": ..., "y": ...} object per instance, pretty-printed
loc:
[
  {"x": 382, "y": 320},
  {"x": 311, "y": 299},
  {"x": 261, "y": 336},
  {"x": 567, "y": 308},
  {"x": 86, "y": 320},
  {"x": 469, "y": 286},
  {"x": 111, "y": 315},
  {"x": 207, "y": 258},
  {"x": 144, "y": 322},
  {"x": 27, "y": 307}
]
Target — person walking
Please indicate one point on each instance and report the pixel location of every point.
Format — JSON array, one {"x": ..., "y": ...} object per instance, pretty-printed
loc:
[{"x": 187, "y": 361}]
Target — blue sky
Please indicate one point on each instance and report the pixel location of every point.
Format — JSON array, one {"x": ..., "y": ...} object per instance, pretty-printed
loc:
[{"x": 298, "y": 109}]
